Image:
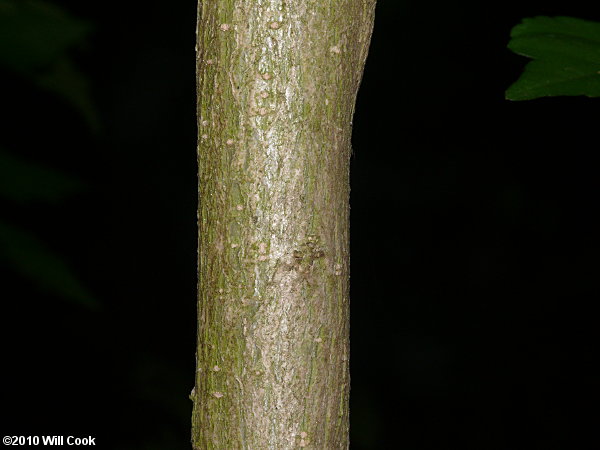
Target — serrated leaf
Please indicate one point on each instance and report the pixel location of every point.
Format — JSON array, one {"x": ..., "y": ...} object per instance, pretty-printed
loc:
[
  {"x": 28, "y": 256},
  {"x": 22, "y": 181},
  {"x": 566, "y": 57}
]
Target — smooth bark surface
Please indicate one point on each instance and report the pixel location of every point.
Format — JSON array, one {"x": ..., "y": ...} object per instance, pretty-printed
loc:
[{"x": 277, "y": 83}]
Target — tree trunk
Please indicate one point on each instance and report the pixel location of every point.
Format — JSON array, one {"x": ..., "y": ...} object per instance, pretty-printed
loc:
[{"x": 277, "y": 83}]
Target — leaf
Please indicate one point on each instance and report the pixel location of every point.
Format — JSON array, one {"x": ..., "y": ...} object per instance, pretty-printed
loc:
[
  {"x": 22, "y": 181},
  {"x": 68, "y": 82},
  {"x": 35, "y": 38},
  {"x": 566, "y": 57},
  {"x": 32, "y": 260},
  {"x": 34, "y": 33}
]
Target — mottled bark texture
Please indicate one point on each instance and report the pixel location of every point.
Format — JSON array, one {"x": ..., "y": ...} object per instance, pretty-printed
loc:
[{"x": 277, "y": 83}]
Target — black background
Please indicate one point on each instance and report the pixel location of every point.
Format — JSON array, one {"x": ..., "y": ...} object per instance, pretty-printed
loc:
[{"x": 474, "y": 239}]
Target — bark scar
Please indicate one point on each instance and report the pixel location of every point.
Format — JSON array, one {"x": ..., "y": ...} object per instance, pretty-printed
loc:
[{"x": 305, "y": 255}]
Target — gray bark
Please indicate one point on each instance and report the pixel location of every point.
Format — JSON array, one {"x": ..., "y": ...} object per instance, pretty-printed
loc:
[{"x": 277, "y": 83}]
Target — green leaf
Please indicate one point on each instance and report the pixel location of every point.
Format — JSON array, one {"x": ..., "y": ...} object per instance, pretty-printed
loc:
[
  {"x": 566, "y": 57},
  {"x": 34, "y": 33},
  {"x": 35, "y": 38},
  {"x": 64, "y": 79},
  {"x": 33, "y": 260},
  {"x": 22, "y": 181}
]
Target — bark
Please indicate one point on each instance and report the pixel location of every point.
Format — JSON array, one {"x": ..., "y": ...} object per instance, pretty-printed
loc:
[{"x": 277, "y": 83}]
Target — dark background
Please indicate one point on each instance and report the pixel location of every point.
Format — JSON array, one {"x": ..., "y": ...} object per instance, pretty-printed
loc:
[{"x": 474, "y": 239}]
